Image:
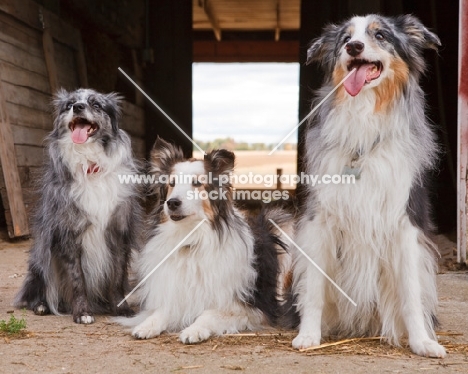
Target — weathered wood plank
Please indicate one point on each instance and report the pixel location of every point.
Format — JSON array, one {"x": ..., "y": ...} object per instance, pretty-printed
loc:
[
  {"x": 133, "y": 119},
  {"x": 26, "y": 97},
  {"x": 66, "y": 67},
  {"x": 139, "y": 98},
  {"x": 29, "y": 117},
  {"x": 462, "y": 166},
  {"x": 81, "y": 63},
  {"x": 28, "y": 11},
  {"x": 17, "y": 211},
  {"x": 28, "y": 136},
  {"x": 21, "y": 77},
  {"x": 138, "y": 147},
  {"x": 239, "y": 51},
  {"x": 170, "y": 34},
  {"x": 15, "y": 33},
  {"x": 49, "y": 56},
  {"x": 16, "y": 56},
  {"x": 29, "y": 177},
  {"x": 28, "y": 155},
  {"x": 133, "y": 111}
]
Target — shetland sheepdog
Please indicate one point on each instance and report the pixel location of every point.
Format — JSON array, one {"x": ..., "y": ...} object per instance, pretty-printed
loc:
[
  {"x": 86, "y": 223},
  {"x": 371, "y": 237},
  {"x": 228, "y": 275}
]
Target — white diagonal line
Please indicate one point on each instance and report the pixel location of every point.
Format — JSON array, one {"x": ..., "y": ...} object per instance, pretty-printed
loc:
[
  {"x": 162, "y": 111},
  {"x": 313, "y": 263},
  {"x": 311, "y": 112},
  {"x": 162, "y": 261}
]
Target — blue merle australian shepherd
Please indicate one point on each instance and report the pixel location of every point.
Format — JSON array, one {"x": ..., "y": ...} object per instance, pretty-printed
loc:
[
  {"x": 86, "y": 221},
  {"x": 371, "y": 237}
]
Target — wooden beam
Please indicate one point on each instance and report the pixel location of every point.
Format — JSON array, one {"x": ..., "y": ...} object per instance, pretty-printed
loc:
[
  {"x": 28, "y": 11},
  {"x": 246, "y": 51},
  {"x": 49, "y": 55},
  {"x": 278, "y": 26},
  {"x": 168, "y": 80},
  {"x": 14, "y": 193},
  {"x": 210, "y": 13},
  {"x": 462, "y": 132},
  {"x": 139, "y": 98},
  {"x": 81, "y": 61}
]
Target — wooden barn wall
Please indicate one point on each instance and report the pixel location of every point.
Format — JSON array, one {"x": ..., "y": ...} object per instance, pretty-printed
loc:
[{"x": 24, "y": 81}]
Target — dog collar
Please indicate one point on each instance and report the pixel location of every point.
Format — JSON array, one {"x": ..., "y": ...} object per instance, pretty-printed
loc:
[
  {"x": 352, "y": 168},
  {"x": 92, "y": 169}
]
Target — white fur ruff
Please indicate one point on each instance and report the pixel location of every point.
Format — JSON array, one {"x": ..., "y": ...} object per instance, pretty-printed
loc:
[
  {"x": 201, "y": 288},
  {"x": 97, "y": 194}
]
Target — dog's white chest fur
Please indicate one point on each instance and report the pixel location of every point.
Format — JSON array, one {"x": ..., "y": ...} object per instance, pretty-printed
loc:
[
  {"x": 203, "y": 274},
  {"x": 379, "y": 147},
  {"x": 96, "y": 190}
]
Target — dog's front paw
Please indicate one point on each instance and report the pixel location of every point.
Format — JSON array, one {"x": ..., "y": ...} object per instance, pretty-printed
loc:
[
  {"x": 147, "y": 330},
  {"x": 41, "y": 308},
  {"x": 428, "y": 348},
  {"x": 305, "y": 341},
  {"x": 83, "y": 318},
  {"x": 194, "y": 334}
]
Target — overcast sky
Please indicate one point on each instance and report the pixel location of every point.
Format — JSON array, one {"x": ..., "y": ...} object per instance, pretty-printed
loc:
[{"x": 249, "y": 102}]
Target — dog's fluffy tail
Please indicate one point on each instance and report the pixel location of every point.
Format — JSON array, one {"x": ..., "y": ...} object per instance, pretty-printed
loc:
[
  {"x": 133, "y": 321},
  {"x": 288, "y": 316},
  {"x": 273, "y": 263}
]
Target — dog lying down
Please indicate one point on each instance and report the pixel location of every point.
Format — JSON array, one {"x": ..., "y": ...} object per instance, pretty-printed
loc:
[{"x": 229, "y": 275}]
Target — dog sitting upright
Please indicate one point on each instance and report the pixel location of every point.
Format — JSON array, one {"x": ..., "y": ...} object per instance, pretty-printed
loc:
[
  {"x": 371, "y": 236},
  {"x": 86, "y": 221}
]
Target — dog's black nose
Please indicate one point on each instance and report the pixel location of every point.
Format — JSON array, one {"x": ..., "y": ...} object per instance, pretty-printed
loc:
[
  {"x": 354, "y": 48},
  {"x": 78, "y": 107},
  {"x": 173, "y": 204}
]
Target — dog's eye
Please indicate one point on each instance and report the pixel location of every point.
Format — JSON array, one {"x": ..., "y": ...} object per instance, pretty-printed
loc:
[
  {"x": 347, "y": 39},
  {"x": 196, "y": 183},
  {"x": 379, "y": 36},
  {"x": 69, "y": 105},
  {"x": 172, "y": 183},
  {"x": 97, "y": 106}
]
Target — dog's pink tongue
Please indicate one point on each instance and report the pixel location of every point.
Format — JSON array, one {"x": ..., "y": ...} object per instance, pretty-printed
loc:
[
  {"x": 80, "y": 133},
  {"x": 353, "y": 85}
]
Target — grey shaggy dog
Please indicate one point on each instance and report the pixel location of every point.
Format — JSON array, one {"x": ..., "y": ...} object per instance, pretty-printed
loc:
[{"x": 86, "y": 222}]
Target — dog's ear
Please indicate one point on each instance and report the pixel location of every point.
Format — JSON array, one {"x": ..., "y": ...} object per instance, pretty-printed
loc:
[
  {"x": 320, "y": 48},
  {"x": 418, "y": 34},
  {"x": 114, "y": 100},
  {"x": 315, "y": 50},
  {"x": 164, "y": 155},
  {"x": 60, "y": 100},
  {"x": 113, "y": 108},
  {"x": 220, "y": 161},
  {"x": 61, "y": 95}
]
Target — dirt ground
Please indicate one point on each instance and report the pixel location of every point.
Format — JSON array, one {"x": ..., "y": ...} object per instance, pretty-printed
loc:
[{"x": 57, "y": 345}]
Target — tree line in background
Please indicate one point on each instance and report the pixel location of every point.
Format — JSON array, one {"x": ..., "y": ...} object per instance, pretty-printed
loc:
[{"x": 232, "y": 145}]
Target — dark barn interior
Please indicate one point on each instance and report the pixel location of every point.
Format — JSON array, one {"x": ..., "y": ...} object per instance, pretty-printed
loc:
[{"x": 46, "y": 44}]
